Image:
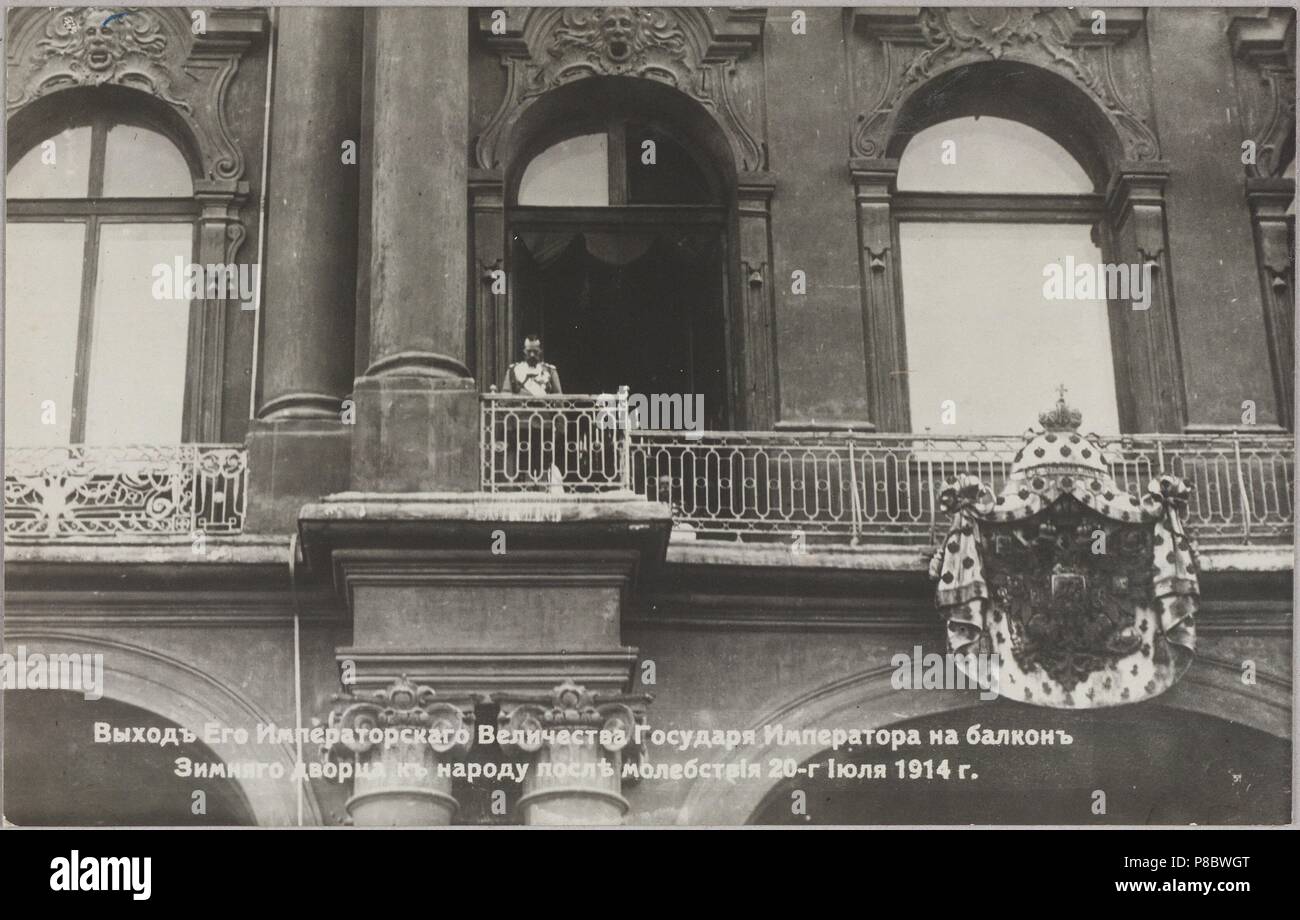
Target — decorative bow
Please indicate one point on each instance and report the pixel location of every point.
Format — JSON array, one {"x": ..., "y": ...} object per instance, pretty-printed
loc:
[
  {"x": 964, "y": 492},
  {"x": 1167, "y": 493}
]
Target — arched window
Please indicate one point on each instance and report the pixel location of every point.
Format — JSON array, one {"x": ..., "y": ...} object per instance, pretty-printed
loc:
[
  {"x": 101, "y": 220},
  {"x": 618, "y": 241},
  {"x": 990, "y": 212},
  {"x": 625, "y": 163}
]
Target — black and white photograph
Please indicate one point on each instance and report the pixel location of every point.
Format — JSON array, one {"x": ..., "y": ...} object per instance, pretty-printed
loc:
[{"x": 656, "y": 417}]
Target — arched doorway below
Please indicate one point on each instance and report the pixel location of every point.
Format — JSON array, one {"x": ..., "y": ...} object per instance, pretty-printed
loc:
[
  {"x": 55, "y": 773},
  {"x": 1154, "y": 765}
]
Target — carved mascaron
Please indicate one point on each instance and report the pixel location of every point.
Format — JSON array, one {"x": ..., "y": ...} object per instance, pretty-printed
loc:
[
  {"x": 692, "y": 50},
  {"x": 153, "y": 50}
]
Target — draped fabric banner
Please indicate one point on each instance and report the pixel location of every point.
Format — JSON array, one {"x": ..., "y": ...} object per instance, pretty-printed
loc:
[
  {"x": 1086, "y": 594},
  {"x": 546, "y": 246}
]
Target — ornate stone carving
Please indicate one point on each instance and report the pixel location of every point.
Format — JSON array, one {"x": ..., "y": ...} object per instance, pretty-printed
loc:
[
  {"x": 938, "y": 40},
  {"x": 402, "y": 704},
  {"x": 90, "y": 51},
  {"x": 572, "y": 706},
  {"x": 687, "y": 49},
  {"x": 152, "y": 50},
  {"x": 615, "y": 40},
  {"x": 1264, "y": 47}
]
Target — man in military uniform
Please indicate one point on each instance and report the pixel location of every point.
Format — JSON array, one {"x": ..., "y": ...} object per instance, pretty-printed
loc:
[{"x": 534, "y": 377}]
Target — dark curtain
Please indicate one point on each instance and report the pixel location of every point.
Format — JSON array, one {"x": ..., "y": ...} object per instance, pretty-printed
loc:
[{"x": 642, "y": 309}]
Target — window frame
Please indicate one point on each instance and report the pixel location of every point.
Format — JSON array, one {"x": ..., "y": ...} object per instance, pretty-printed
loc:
[
  {"x": 1080, "y": 209},
  {"x": 95, "y": 211},
  {"x": 615, "y": 129},
  {"x": 619, "y": 216}
]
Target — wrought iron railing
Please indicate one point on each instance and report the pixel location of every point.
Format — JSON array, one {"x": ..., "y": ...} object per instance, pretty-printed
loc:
[
  {"x": 79, "y": 492},
  {"x": 851, "y": 489},
  {"x": 884, "y": 488},
  {"x": 555, "y": 444}
]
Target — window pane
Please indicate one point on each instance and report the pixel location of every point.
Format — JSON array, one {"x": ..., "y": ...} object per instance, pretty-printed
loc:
[
  {"x": 42, "y": 309},
  {"x": 140, "y": 163},
  {"x": 68, "y": 176},
  {"x": 989, "y": 155},
  {"x": 573, "y": 173},
  {"x": 980, "y": 331},
  {"x": 673, "y": 177},
  {"x": 137, "y": 360}
]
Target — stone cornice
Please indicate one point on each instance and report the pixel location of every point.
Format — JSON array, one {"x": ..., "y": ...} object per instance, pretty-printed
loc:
[
  {"x": 451, "y": 522},
  {"x": 1266, "y": 36},
  {"x": 485, "y": 675}
]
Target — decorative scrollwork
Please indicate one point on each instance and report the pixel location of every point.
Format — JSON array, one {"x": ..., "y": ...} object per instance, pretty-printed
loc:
[
  {"x": 615, "y": 40},
  {"x": 149, "y": 49},
  {"x": 1263, "y": 45},
  {"x": 953, "y": 37},
  {"x": 91, "y": 50},
  {"x": 402, "y": 704},
  {"x": 572, "y": 706},
  {"x": 86, "y": 492},
  {"x": 676, "y": 47}
]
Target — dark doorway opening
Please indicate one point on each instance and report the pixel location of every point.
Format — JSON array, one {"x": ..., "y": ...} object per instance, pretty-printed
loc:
[
  {"x": 57, "y": 775},
  {"x": 627, "y": 305},
  {"x": 619, "y": 233}
]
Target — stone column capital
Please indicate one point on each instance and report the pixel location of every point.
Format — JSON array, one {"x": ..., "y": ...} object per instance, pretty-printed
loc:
[
  {"x": 874, "y": 175},
  {"x": 1269, "y": 198},
  {"x": 571, "y": 706},
  {"x": 577, "y": 743},
  {"x": 368, "y": 716},
  {"x": 396, "y": 742},
  {"x": 1135, "y": 184}
]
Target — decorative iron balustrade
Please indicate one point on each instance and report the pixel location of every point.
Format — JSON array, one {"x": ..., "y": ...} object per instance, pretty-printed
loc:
[
  {"x": 850, "y": 488},
  {"x": 79, "y": 492},
  {"x": 884, "y": 488},
  {"x": 554, "y": 444}
]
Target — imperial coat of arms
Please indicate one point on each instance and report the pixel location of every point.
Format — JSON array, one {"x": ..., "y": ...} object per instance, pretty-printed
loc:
[{"x": 1086, "y": 592}]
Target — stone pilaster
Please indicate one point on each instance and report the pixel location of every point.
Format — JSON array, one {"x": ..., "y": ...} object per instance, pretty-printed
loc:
[
  {"x": 1269, "y": 200},
  {"x": 299, "y": 445},
  {"x": 395, "y": 739},
  {"x": 416, "y": 403},
  {"x": 576, "y": 743},
  {"x": 758, "y": 376},
  {"x": 874, "y": 184},
  {"x": 1146, "y": 341}
]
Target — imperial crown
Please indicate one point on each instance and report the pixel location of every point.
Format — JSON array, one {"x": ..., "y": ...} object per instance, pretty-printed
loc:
[{"x": 1061, "y": 418}]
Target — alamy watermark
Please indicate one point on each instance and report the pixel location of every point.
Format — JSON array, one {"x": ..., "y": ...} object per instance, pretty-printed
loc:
[
  {"x": 656, "y": 412},
  {"x": 180, "y": 280},
  {"x": 75, "y": 872},
  {"x": 75, "y": 671},
  {"x": 949, "y": 671},
  {"x": 1102, "y": 281}
]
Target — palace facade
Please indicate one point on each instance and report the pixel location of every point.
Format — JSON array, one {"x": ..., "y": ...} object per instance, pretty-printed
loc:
[{"x": 312, "y": 535}]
